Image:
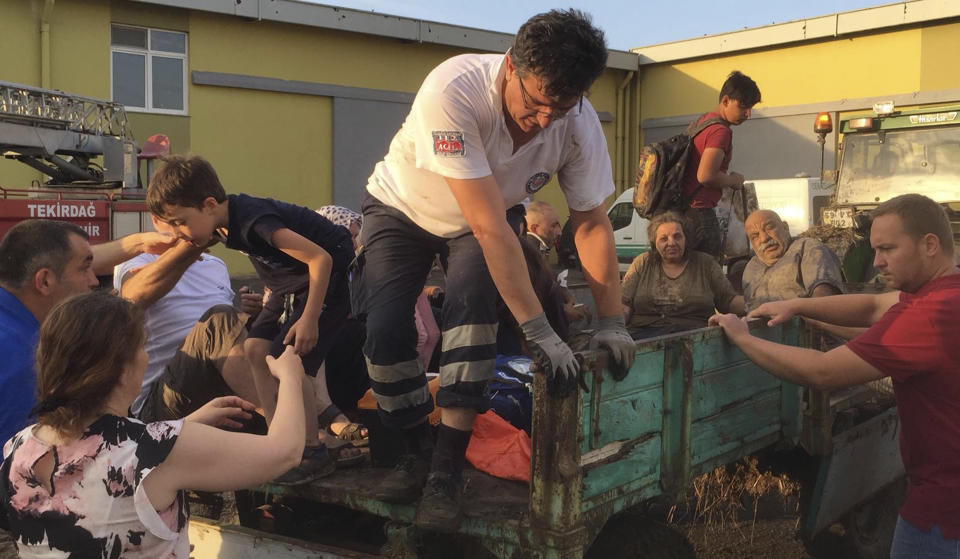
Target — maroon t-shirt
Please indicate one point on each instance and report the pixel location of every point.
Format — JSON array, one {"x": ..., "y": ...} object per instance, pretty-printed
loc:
[
  {"x": 713, "y": 136},
  {"x": 917, "y": 343}
]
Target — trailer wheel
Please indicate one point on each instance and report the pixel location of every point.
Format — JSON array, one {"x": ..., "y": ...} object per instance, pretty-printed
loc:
[
  {"x": 867, "y": 531},
  {"x": 629, "y": 535}
]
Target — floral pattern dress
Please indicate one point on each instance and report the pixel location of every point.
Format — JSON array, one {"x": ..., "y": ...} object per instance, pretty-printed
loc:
[{"x": 97, "y": 506}]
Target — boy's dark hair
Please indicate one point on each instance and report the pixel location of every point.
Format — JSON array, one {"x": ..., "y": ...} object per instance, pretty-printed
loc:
[
  {"x": 564, "y": 49},
  {"x": 920, "y": 216},
  {"x": 184, "y": 181},
  {"x": 34, "y": 244},
  {"x": 741, "y": 88}
]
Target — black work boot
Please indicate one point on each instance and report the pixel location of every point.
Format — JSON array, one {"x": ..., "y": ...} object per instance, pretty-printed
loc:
[
  {"x": 404, "y": 484},
  {"x": 439, "y": 508}
]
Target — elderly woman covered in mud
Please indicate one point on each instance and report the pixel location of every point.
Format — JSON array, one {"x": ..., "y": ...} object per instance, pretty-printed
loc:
[
  {"x": 87, "y": 481},
  {"x": 671, "y": 288}
]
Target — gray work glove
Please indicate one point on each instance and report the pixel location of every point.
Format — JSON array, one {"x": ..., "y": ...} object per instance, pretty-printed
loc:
[
  {"x": 612, "y": 334},
  {"x": 552, "y": 355}
]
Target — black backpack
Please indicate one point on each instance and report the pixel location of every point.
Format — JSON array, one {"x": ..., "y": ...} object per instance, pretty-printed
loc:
[{"x": 661, "y": 169}]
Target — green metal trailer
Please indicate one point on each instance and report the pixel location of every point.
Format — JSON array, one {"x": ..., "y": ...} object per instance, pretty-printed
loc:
[{"x": 690, "y": 403}]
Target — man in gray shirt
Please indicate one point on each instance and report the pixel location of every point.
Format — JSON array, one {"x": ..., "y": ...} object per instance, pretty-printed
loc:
[{"x": 785, "y": 267}]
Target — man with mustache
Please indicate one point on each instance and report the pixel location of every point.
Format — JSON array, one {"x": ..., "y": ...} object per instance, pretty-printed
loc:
[{"x": 785, "y": 267}]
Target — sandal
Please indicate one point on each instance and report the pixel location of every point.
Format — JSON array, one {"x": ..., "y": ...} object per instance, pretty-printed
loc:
[
  {"x": 340, "y": 452},
  {"x": 353, "y": 433}
]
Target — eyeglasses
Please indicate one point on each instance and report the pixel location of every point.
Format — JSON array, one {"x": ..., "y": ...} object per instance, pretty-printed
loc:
[{"x": 555, "y": 113}]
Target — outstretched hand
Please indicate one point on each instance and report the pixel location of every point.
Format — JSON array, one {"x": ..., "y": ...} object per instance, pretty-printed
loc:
[
  {"x": 288, "y": 364},
  {"x": 152, "y": 242},
  {"x": 225, "y": 412},
  {"x": 778, "y": 312},
  {"x": 302, "y": 336},
  {"x": 733, "y": 326}
]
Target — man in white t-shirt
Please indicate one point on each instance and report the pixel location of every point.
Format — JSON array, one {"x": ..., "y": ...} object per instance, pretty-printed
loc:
[
  {"x": 195, "y": 335},
  {"x": 484, "y": 133}
]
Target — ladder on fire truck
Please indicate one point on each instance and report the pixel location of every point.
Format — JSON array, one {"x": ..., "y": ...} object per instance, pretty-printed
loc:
[{"x": 61, "y": 134}]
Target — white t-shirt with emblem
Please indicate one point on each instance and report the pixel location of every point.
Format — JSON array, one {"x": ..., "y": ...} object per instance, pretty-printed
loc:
[{"x": 456, "y": 129}]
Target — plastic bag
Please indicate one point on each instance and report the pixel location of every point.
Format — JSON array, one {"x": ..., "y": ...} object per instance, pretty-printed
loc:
[{"x": 499, "y": 449}]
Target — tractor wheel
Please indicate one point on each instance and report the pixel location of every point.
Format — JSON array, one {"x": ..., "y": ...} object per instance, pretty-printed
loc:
[
  {"x": 629, "y": 535},
  {"x": 864, "y": 533}
]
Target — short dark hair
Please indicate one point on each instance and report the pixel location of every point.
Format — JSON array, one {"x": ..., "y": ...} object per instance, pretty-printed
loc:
[
  {"x": 740, "y": 88},
  {"x": 564, "y": 49},
  {"x": 663, "y": 219},
  {"x": 920, "y": 216},
  {"x": 77, "y": 365},
  {"x": 184, "y": 181},
  {"x": 34, "y": 244}
]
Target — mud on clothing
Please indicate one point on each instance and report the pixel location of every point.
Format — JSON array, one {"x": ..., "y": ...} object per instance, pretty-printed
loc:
[
  {"x": 456, "y": 129},
  {"x": 916, "y": 344},
  {"x": 687, "y": 300},
  {"x": 251, "y": 225},
  {"x": 399, "y": 255},
  {"x": 805, "y": 264},
  {"x": 18, "y": 344},
  {"x": 98, "y": 506}
]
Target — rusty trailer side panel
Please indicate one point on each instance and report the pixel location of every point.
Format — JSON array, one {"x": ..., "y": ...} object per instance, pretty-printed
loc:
[{"x": 690, "y": 402}]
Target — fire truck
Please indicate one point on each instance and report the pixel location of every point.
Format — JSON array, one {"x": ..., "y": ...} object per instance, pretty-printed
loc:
[{"x": 86, "y": 150}]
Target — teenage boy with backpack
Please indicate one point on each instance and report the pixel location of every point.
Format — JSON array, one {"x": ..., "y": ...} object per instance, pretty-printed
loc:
[{"x": 709, "y": 157}]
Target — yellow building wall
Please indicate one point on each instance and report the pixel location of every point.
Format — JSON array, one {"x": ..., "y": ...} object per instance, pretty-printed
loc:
[
  {"x": 279, "y": 145},
  {"x": 261, "y": 143},
  {"x": 861, "y": 66}
]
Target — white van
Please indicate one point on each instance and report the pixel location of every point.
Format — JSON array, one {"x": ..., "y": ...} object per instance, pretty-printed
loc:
[
  {"x": 798, "y": 201},
  {"x": 629, "y": 230}
]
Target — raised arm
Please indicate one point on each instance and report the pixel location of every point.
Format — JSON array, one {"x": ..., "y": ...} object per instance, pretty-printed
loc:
[
  {"x": 837, "y": 368},
  {"x": 146, "y": 285},
  {"x": 856, "y": 310},
  {"x": 208, "y": 459},
  {"x": 107, "y": 255}
]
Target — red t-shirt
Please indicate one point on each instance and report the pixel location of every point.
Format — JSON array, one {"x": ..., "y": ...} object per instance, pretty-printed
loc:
[
  {"x": 713, "y": 136},
  {"x": 917, "y": 343}
]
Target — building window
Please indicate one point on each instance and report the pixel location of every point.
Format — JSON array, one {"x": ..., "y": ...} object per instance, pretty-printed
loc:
[{"x": 149, "y": 69}]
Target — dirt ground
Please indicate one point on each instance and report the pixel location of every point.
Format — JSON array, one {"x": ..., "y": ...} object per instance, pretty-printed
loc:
[
  {"x": 742, "y": 512},
  {"x": 762, "y": 539}
]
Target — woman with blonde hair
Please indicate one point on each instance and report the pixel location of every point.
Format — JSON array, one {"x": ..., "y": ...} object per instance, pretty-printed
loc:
[{"x": 88, "y": 481}]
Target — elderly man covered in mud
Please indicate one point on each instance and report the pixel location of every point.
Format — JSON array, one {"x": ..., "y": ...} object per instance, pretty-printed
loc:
[{"x": 786, "y": 267}]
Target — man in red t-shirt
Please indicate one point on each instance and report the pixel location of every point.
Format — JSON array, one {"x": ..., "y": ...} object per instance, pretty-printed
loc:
[
  {"x": 914, "y": 338},
  {"x": 706, "y": 173}
]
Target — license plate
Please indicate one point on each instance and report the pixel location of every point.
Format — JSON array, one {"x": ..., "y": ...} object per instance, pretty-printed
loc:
[{"x": 838, "y": 217}]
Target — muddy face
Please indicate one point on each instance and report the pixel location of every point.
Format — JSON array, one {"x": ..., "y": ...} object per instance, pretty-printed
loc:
[{"x": 768, "y": 234}]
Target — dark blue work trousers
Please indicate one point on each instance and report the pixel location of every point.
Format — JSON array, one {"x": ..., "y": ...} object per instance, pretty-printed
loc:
[{"x": 398, "y": 255}]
